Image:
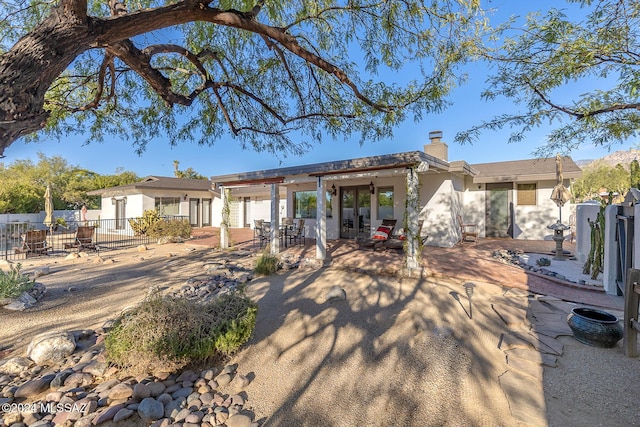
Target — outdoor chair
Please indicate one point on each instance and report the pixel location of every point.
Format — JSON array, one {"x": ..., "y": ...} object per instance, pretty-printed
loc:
[
  {"x": 468, "y": 231},
  {"x": 257, "y": 230},
  {"x": 34, "y": 243},
  {"x": 384, "y": 231},
  {"x": 396, "y": 241},
  {"x": 295, "y": 234},
  {"x": 83, "y": 239}
]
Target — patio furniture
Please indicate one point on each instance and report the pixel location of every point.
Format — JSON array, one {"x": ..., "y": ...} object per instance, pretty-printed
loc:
[
  {"x": 257, "y": 230},
  {"x": 295, "y": 234},
  {"x": 396, "y": 241},
  {"x": 34, "y": 243},
  {"x": 468, "y": 231},
  {"x": 384, "y": 231},
  {"x": 84, "y": 239}
]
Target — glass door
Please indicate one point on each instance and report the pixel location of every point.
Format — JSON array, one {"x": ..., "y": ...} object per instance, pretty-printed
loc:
[
  {"x": 355, "y": 212},
  {"x": 194, "y": 212}
]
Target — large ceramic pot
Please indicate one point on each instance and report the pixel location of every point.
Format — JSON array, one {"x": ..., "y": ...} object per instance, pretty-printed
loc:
[{"x": 595, "y": 327}]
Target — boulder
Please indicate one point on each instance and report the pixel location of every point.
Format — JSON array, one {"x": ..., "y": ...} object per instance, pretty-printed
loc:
[
  {"x": 15, "y": 365},
  {"x": 51, "y": 347}
]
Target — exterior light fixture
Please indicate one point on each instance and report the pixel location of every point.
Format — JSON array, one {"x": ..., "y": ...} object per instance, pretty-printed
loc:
[
  {"x": 186, "y": 196},
  {"x": 334, "y": 190},
  {"x": 113, "y": 200},
  {"x": 372, "y": 188}
]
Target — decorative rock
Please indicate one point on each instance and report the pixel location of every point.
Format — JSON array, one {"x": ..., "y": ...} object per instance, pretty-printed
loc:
[
  {"x": 141, "y": 391},
  {"x": 240, "y": 382},
  {"x": 33, "y": 387},
  {"x": 336, "y": 293},
  {"x": 41, "y": 271},
  {"x": 15, "y": 365},
  {"x": 79, "y": 379},
  {"x": 122, "y": 414},
  {"x": 150, "y": 409},
  {"x": 156, "y": 388},
  {"x": 51, "y": 347},
  {"x": 223, "y": 379},
  {"x": 108, "y": 414},
  {"x": 183, "y": 392},
  {"x": 120, "y": 391},
  {"x": 238, "y": 420},
  {"x": 142, "y": 248}
]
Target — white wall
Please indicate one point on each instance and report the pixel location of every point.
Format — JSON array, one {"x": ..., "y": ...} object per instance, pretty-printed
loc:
[
  {"x": 443, "y": 202},
  {"x": 531, "y": 222}
]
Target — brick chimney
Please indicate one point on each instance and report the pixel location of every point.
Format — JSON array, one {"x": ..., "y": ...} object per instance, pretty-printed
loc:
[{"x": 437, "y": 148}]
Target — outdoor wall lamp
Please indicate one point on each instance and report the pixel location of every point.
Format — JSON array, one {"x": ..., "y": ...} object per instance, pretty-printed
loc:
[
  {"x": 372, "y": 188},
  {"x": 113, "y": 200},
  {"x": 185, "y": 197},
  {"x": 334, "y": 190}
]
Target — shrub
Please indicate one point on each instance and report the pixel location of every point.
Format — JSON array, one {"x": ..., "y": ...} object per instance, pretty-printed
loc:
[
  {"x": 142, "y": 224},
  {"x": 170, "y": 229},
  {"x": 13, "y": 283},
  {"x": 266, "y": 264},
  {"x": 167, "y": 334}
]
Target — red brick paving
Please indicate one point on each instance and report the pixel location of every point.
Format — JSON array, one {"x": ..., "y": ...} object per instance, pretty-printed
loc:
[{"x": 464, "y": 262}]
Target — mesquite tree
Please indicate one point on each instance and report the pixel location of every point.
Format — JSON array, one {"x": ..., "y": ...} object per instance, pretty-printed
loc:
[{"x": 197, "y": 69}]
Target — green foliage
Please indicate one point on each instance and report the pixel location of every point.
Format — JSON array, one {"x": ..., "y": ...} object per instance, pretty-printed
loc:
[
  {"x": 600, "y": 177},
  {"x": 266, "y": 264},
  {"x": 23, "y": 183},
  {"x": 169, "y": 228},
  {"x": 188, "y": 173},
  {"x": 167, "y": 334},
  {"x": 141, "y": 225},
  {"x": 13, "y": 283},
  {"x": 309, "y": 67},
  {"x": 634, "y": 173},
  {"x": 574, "y": 67}
]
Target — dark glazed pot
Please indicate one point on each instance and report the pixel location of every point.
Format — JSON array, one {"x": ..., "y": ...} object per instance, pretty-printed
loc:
[{"x": 595, "y": 327}]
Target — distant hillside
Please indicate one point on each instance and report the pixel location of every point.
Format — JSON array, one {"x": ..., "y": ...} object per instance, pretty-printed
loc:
[{"x": 619, "y": 157}]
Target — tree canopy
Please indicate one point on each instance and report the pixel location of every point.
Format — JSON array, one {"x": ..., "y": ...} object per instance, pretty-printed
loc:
[
  {"x": 195, "y": 70},
  {"x": 23, "y": 183},
  {"x": 575, "y": 68}
]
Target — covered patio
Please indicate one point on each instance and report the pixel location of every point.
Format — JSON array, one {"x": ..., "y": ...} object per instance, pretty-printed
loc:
[{"x": 465, "y": 262}]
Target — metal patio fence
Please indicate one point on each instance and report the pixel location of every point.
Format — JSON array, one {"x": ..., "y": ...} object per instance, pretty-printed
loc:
[{"x": 109, "y": 234}]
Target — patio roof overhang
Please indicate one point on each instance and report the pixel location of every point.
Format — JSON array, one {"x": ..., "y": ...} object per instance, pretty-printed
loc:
[{"x": 389, "y": 164}]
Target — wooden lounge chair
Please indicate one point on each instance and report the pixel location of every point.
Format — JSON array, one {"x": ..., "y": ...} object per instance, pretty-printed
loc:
[
  {"x": 468, "y": 231},
  {"x": 397, "y": 241},
  {"x": 384, "y": 231},
  {"x": 84, "y": 239},
  {"x": 34, "y": 243}
]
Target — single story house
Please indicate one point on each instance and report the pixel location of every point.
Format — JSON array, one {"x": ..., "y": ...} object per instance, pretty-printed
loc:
[
  {"x": 348, "y": 199},
  {"x": 189, "y": 198}
]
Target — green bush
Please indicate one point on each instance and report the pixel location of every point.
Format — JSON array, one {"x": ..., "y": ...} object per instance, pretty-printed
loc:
[
  {"x": 141, "y": 225},
  {"x": 170, "y": 228},
  {"x": 167, "y": 334},
  {"x": 266, "y": 264},
  {"x": 13, "y": 283}
]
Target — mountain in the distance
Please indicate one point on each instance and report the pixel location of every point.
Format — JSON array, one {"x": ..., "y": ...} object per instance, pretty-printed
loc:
[{"x": 623, "y": 157}]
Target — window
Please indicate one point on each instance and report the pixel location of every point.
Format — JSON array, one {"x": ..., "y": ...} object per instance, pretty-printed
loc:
[
  {"x": 385, "y": 203},
  {"x": 527, "y": 194},
  {"x": 305, "y": 206},
  {"x": 168, "y": 205}
]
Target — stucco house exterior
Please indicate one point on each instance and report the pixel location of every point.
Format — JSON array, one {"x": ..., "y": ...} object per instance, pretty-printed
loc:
[
  {"x": 347, "y": 199},
  {"x": 350, "y": 198},
  {"x": 191, "y": 198}
]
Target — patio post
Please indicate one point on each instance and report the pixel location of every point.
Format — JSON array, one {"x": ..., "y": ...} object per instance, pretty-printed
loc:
[
  {"x": 412, "y": 250},
  {"x": 275, "y": 219},
  {"x": 321, "y": 221},
  {"x": 224, "y": 226}
]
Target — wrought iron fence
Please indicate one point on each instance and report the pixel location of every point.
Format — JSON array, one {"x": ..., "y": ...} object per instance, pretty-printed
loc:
[{"x": 60, "y": 240}]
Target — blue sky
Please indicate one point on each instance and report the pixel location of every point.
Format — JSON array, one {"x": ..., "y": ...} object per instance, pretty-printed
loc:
[{"x": 226, "y": 156}]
